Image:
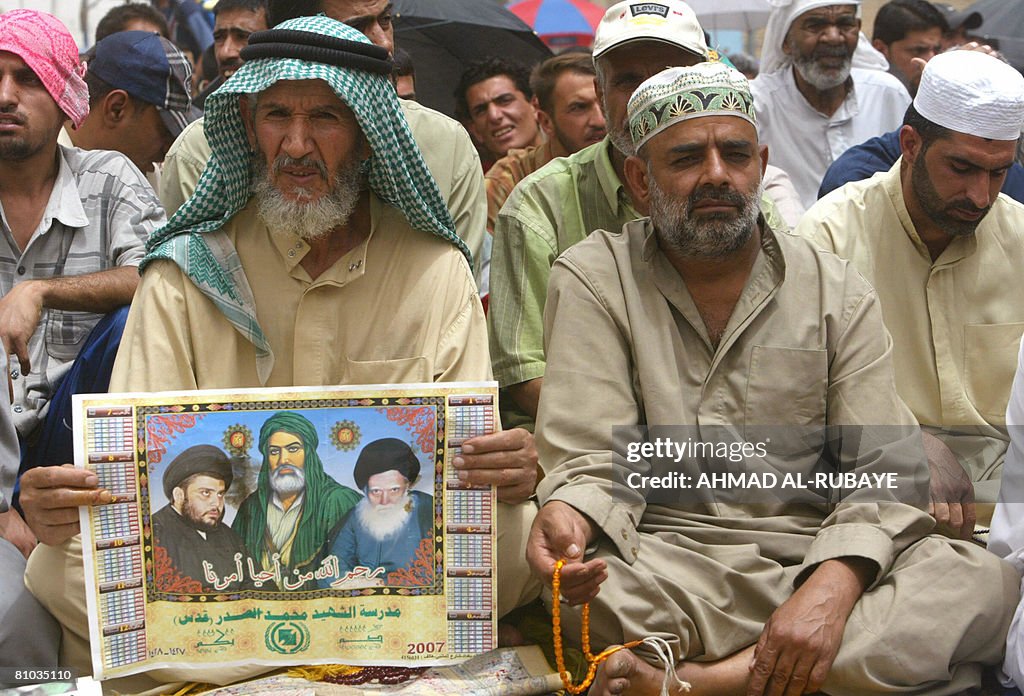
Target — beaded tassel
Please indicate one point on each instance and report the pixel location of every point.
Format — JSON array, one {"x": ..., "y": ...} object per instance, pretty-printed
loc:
[
  {"x": 593, "y": 660},
  {"x": 659, "y": 645}
]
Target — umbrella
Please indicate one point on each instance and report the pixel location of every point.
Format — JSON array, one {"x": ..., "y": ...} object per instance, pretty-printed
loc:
[
  {"x": 1003, "y": 20},
  {"x": 444, "y": 36},
  {"x": 561, "y": 23},
  {"x": 739, "y": 15}
]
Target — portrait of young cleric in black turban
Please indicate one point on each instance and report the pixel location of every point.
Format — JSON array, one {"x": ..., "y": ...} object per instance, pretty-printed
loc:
[{"x": 189, "y": 530}]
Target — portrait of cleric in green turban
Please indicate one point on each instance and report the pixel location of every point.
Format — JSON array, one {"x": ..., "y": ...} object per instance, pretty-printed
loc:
[{"x": 285, "y": 501}]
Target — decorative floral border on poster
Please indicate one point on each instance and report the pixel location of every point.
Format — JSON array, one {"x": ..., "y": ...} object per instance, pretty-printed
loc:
[
  {"x": 419, "y": 421},
  {"x": 160, "y": 430}
]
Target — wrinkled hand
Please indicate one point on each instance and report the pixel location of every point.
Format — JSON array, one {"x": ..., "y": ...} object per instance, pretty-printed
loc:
[
  {"x": 560, "y": 531},
  {"x": 800, "y": 642},
  {"x": 20, "y": 311},
  {"x": 507, "y": 460},
  {"x": 14, "y": 530},
  {"x": 50, "y": 497},
  {"x": 951, "y": 490}
]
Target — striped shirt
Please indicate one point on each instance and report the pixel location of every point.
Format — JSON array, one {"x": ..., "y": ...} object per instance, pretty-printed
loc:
[{"x": 100, "y": 213}]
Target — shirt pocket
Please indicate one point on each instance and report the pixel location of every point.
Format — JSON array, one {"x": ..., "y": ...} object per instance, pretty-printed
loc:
[
  {"x": 398, "y": 371},
  {"x": 786, "y": 399},
  {"x": 990, "y": 362},
  {"x": 66, "y": 331}
]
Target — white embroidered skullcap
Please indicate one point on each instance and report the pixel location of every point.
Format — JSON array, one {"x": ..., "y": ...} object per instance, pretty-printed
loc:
[
  {"x": 679, "y": 94},
  {"x": 783, "y": 14},
  {"x": 973, "y": 93}
]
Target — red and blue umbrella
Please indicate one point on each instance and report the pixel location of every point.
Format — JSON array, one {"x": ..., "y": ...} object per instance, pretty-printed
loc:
[{"x": 561, "y": 23}]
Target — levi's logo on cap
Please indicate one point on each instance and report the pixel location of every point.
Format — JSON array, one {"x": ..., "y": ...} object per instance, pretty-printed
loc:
[{"x": 649, "y": 8}]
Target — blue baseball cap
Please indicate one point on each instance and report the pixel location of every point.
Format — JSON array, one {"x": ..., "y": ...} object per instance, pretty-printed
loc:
[{"x": 150, "y": 68}]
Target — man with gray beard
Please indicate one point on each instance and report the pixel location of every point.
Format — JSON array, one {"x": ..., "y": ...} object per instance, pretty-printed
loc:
[
  {"x": 383, "y": 295},
  {"x": 296, "y": 506},
  {"x": 812, "y": 105},
  {"x": 305, "y": 215},
  {"x": 570, "y": 197},
  {"x": 702, "y": 322},
  {"x": 718, "y": 233}
]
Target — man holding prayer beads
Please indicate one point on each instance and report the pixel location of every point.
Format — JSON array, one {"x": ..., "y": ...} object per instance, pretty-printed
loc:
[
  {"x": 704, "y": 316},
  {"x": 316, "y": 204}
]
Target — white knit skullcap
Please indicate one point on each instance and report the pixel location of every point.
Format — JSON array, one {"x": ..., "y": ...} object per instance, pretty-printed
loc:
[
  {"x": 679, "y": 94},
  {"x": 973, "y": 93}
]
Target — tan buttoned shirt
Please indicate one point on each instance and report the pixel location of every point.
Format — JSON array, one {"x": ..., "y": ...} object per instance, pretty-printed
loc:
[
  {"x": 400, "y": 307},
  {"x": 956, "y": 322}
]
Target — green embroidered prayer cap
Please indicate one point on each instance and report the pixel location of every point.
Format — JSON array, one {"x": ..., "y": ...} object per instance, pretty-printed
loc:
[{"x": 679, "y": 94}]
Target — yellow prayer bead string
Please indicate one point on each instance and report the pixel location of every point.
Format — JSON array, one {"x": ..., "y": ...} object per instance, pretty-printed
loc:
[{"x": 556, "y": 622}]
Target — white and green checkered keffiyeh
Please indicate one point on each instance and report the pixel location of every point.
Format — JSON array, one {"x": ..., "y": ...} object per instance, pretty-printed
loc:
[{"x": 193, "y": 239}]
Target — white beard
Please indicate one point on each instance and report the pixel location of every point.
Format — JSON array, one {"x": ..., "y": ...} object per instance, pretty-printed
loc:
[
  {"x": 289, "y": 483},
  {"x": 308, "y": 220},
  {"x": 822, "y": 78},
  {"x": 382, "y": 522}
]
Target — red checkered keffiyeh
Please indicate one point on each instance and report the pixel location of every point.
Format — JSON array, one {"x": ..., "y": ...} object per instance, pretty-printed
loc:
[{"x": 46, "y": 46}]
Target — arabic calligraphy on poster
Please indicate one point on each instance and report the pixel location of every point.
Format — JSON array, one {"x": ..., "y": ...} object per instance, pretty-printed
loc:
[{"x": 296, "y": 526}]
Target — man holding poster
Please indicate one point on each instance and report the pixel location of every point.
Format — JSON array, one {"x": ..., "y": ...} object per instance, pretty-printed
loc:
[{"x": 315, "y": 212}]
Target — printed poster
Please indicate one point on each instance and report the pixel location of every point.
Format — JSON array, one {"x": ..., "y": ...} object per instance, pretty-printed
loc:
[{"x": 287, "y": 526}]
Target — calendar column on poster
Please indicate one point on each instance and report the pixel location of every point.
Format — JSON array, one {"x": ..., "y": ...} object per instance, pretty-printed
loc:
[
  {"x": 116, "y": 534},
  {"x": 470, "y": 552}
]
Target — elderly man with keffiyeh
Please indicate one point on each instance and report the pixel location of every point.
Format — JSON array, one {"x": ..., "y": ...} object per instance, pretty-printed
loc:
[{"x": 316, "y": 250}]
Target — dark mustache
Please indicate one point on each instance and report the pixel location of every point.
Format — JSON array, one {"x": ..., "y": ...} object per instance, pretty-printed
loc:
[
  {"x": 717, "y": 196},
  {"x": 830, "y": 52},
  {"x": 13, "y": 117},
  {"x": 286, "y": 161},
  {"x": 966, "y": 206}
]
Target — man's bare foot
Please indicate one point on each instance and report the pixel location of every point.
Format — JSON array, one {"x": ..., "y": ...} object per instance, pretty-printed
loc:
[{"x": 625, "y": 673}]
